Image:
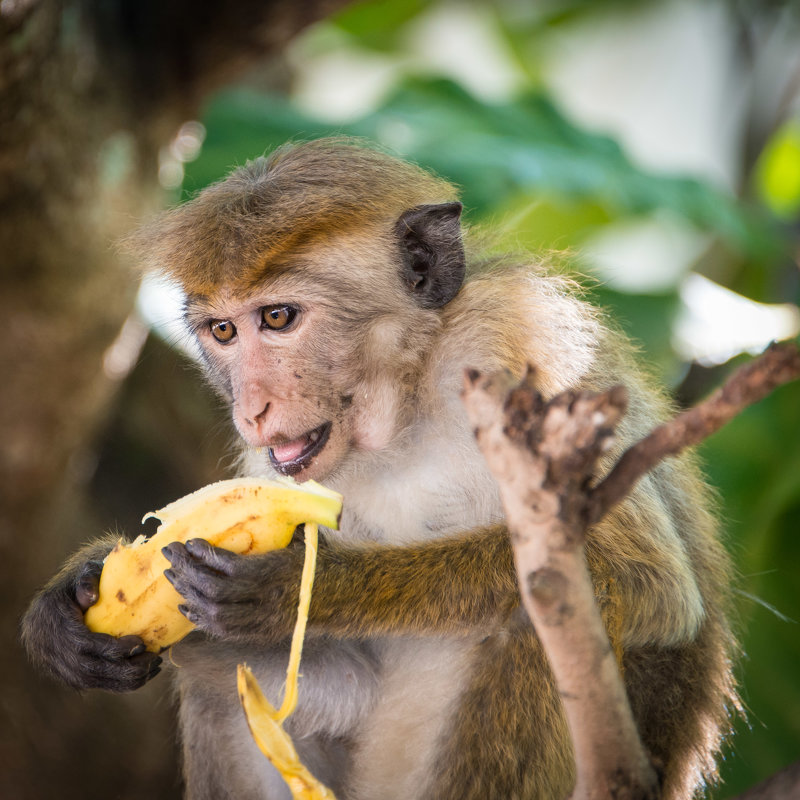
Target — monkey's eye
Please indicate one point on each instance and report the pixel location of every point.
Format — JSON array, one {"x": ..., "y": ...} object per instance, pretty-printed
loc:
[
  {"x": 277, "y": 318},
  {"x": 222, "y": 330}
]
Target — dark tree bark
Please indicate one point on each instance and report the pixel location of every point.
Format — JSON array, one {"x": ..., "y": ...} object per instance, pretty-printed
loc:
[{"x": 89, "y": 93}]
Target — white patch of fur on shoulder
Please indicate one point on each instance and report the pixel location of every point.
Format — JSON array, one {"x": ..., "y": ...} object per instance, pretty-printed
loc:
[
  {"x": 510, "y": 318},
  {"x": 563, "y": 333},
  {"x": 432, "y": 482}
]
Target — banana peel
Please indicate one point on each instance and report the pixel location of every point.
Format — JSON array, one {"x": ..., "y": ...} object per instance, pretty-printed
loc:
[
  {"x": 263, "y": 719},
  {"x": 274, "y": 742},
  {"x": 244, "y": 515}
]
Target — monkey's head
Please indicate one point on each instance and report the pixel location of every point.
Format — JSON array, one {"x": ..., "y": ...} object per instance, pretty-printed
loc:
[{"x": 314, "y": 280}]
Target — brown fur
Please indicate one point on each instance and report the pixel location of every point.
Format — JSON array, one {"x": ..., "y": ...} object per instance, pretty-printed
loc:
[
  {"x": 675, "y": 646},
  {"x": 238, "y": 230},
  {"x": 422, "y": 677}
]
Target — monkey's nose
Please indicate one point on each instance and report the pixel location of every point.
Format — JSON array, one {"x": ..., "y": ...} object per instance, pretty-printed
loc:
[{"x": 258, "y": 418}]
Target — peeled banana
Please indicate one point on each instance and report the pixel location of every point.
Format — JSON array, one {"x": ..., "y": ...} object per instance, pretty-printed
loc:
[{"x": 244, "y": 515}]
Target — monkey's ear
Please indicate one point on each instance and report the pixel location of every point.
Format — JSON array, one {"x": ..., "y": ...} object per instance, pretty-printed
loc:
[{"x": 432, "y": 253}]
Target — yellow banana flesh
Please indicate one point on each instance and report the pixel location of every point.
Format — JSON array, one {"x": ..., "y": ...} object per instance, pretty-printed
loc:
[{"x": 244, "y": 515}]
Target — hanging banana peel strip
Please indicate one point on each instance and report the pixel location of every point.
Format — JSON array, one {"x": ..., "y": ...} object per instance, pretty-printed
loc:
[
  {"x": 263, "y": 719},
  {"x": 306, "y": 584}
]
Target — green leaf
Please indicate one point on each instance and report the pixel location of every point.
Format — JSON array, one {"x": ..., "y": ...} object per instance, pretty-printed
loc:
[
  {"x": 777, "y": 173},
  {"x": 378, "y": 25},
  {"x": 494, "y": 151},
  {"x": 537, "y": 222},
  {"x": 647, "y": 320}
]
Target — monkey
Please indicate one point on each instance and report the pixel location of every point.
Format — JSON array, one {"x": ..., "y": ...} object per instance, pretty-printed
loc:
[{"x": 337, "y": 298}]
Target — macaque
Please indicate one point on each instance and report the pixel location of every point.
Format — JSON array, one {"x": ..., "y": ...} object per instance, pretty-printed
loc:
[{"x": 337, "y": 301}]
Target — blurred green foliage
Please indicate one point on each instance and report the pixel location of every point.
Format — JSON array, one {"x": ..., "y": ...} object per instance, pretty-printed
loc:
[
  {"x": 526, "y": 149},
  {"x": 755, "y": 463},
  {"x": 527, "y": 170},
  {"x": 778, "y": 172}
]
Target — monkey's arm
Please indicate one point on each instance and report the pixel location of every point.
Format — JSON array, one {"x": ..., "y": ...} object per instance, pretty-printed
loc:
[
  {"x": 449, "y": 585},
  {"x": 57, "y": 640}
]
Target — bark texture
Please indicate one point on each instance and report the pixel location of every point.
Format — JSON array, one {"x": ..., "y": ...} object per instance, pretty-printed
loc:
[
  {"x": 89, "y": 93},
  {"x": 544, "y": 454}
]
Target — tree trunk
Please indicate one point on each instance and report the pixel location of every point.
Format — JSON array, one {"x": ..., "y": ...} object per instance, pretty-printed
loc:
[{"x": 89, "y": 93}]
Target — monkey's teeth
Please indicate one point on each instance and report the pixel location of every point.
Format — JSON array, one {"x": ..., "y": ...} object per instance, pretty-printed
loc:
[{"x": 313, "y": 436}]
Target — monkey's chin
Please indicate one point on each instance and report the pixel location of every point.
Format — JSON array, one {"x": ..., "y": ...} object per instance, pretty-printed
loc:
[{"x": 300, "y": 453}]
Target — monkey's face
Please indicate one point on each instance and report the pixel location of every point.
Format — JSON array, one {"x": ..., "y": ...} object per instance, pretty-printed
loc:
[
  {"x": 315, "y": 367},
  {"x": 322, "y": 357},
  {"x": 266, "y": 354}
]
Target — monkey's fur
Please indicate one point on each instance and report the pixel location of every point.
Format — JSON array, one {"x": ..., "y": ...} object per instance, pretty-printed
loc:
[{"x": 422, "y": 677}]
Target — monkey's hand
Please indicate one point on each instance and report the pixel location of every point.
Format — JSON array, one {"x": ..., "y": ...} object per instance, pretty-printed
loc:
[
  {"x": 248, "y": 599},
  {"x": 462, "y": 583},
  {"x": 57, "y": 640}
]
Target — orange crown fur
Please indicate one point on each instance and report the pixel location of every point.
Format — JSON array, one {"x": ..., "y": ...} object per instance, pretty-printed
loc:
[{"x": 235, "y": 231}]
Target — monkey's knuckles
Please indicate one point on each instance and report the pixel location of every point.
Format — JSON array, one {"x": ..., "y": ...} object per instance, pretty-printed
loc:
[
  {"x": 230, "y": 622},
  {"x": 203, "y": 572},
  {"x": 254, "y": 600},
  {"x": 118, "y": 675},
  {"x": 111, "y": 663},
  {"x": 221, "y": 590}
]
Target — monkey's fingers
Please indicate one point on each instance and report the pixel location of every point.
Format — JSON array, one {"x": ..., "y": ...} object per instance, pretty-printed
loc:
[
  {"x": 101, "y": 661},
  {"x": 217, "y": 558},
  {"x": 69, "y": 651},
  {"x": 94, "y": 645},
  {"x": 122, "y": 675},
  {"x": 209, "y": 600},
  {"x": 113, "y": 648},
  {"x": 195, "y": 572},
  {"x": 203, "y": 558},
  {"x": 187, "y": 588}
]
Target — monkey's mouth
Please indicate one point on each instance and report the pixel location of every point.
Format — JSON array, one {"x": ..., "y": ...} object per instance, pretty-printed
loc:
[{"x": 293, "y": 456}]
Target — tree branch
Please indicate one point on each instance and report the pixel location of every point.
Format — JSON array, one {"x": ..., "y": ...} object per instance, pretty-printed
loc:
[
  {"x": 779, "y": 364},
  {"x": 544, "y": 455}
]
